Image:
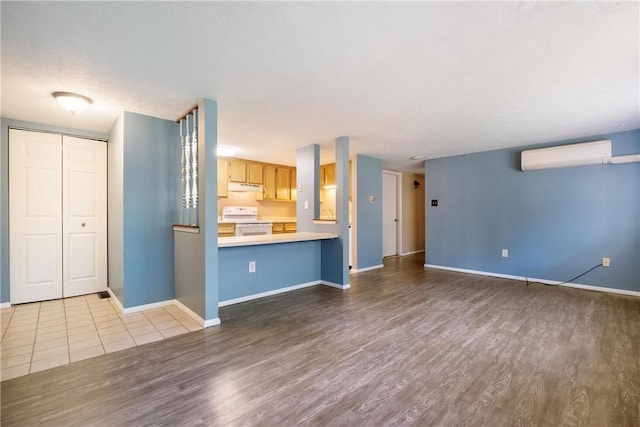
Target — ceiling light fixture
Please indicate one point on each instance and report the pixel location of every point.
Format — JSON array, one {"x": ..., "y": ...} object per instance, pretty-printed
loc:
[
  {"x": 415, "y": 157},
  {"x": 72, "y": 101},
  {"x": 225, "y": 151}
]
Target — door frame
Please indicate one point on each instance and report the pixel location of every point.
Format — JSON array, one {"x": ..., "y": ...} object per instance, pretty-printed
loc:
[{"x": 398, "y": 176}]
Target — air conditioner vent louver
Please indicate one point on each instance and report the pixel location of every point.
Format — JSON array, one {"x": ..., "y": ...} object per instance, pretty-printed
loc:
[{"x": 563, "y": 156}]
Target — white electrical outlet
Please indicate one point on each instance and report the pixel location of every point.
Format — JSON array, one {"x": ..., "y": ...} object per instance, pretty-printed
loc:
[
  {"x": 606, "y": 262},
  {"x": 252, "y": 266},
  {"x": 505, "y": 253}
]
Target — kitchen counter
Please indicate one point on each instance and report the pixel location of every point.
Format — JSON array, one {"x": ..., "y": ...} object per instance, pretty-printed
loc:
[
  {"x": 267, "y": 239},
  {"x": 266, "y": 218}
]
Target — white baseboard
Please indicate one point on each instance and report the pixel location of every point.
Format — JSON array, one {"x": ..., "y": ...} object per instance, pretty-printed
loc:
[
  {"x": 5, "y": 305},
  {"x": 268, "y": 293},
  {"x": 360, "y": 270},
  {"x": 116, "y": 301},
  {"x": 212, "y": 322},
  {"x": 533, "y": 279},
  {"x": 411, "y": 252},
  {"x": 336, "y": 285},
  {"x": 190, "y": 312}
]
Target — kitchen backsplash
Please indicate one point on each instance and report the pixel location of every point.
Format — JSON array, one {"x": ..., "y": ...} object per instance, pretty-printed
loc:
[{"x": 266, "y": 208}]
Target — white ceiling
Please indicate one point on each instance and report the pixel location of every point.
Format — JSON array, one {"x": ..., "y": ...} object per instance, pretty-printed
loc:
[{"x": 401, "y": 79}]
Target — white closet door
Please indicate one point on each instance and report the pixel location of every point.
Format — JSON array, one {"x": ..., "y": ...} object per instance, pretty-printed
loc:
[
  {"x": 84, "y": 212},
  {"x": 35, "y": 216}
]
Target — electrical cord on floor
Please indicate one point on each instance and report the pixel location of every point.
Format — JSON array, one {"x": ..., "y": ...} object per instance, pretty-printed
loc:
[{"x": 568, "y": 281}]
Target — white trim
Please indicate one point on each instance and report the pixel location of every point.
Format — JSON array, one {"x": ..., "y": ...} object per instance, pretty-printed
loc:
[
  {"x": 151, "y": 306},
  {"x": 190, "y": 312},
  {"x": 411, "y": 252},
  {"x": 116, "y": 300},
  {"x": 545, "y": 281},
  {"x": 360, "y": 270},
  {"x": 186, "y": 229},
  {"x": 268, "y": 293},
  {"x": 212, "y": 322},
  {"x": 5, "y": 305},
  {"x": 336, "y": 285},
  {"x": 398, "y": 208}
]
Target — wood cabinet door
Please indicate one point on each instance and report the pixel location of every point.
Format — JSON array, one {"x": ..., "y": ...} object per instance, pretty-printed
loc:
[
  {"x": 283, "y": 183},
  {"x": 237, "y": 170},
  {"x": 330, "y": 174},
  {"x": 254, "y": 173},
  {"x": 269, "y": 182},
  {"x": 294, "y": 184},
  {"x": 223, "y": 178}
]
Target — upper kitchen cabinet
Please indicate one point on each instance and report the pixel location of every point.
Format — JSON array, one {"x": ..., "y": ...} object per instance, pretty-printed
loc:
[
  {"x": 243, "y": 171},
  {"x": 237, "y": 170},
  {"x": 223, "y": 178},
  {"x": 254, "y": 173},
  {"x": 294, "y": 185},
  {"x": 283, "y": 183},
  {"x": 329, "y": 175},
  {"x": 269, "y": 189},
  {"x": 279, "y": 183}
]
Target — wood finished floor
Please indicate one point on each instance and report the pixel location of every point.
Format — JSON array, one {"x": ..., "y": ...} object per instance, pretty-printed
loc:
[{"x": 404, "y": 346}]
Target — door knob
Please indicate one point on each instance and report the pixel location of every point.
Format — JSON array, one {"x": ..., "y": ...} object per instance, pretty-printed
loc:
[{"x": 83, "y": 224}]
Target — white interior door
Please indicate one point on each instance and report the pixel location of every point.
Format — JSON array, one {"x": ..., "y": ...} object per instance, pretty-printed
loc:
[
  {"x": 389, "y": 214},
  {"x": 35, "y": 216},
  {"x": 84, "y": 212}
]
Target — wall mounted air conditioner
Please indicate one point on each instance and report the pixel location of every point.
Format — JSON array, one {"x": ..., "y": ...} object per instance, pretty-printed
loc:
[{"x": 563, "y": 156}]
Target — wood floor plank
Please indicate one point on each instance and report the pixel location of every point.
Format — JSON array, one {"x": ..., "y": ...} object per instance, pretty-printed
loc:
[{"x": 404, "y": 346}]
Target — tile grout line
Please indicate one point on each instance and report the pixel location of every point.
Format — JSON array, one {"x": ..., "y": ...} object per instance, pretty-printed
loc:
[
  {"x": 33, "y": 345},
  {"x": 95, "y": 325},
  {"x": 66, "y": 323},
  {"x": 13, "y": 312},
  {"x": 114, "y": 308},
  {"x": 177, "y": 320}
]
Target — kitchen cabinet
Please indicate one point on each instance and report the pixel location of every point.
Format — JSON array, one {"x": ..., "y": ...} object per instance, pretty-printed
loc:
[
  {"x": 226, "y": 229},
  {"x": 284, "y": 227},
  {"x": 269, "y": 187},
  {"x": 237, "y": 170},
  {"x": 277, "y": 183},
  {"x": 223, "y": 178},
  {"x": 283, "y": 183},
  {"x": 254, "y": 173},
  {"x": 294, "y": 184},
  {"x": 329, "y": 175}
]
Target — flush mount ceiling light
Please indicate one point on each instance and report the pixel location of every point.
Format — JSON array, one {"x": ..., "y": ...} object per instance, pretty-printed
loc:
[
  {"x": 225, "y": 151},
  {"x": 415, "y": 157},
  {"x": 72, "y": 102}
]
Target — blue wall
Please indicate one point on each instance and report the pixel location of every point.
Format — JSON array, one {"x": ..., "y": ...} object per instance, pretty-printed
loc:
[
  {"x": 369, "y": 215},
  {"x": 556, "y": 223},
  {"x": 277, "y": 266},
  {"x": 151, "y": 179},
  {"x": 4, "y": 188}
]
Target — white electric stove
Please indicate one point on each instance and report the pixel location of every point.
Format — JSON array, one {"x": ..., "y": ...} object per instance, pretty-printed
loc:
[{"x": 246, "y": 220}]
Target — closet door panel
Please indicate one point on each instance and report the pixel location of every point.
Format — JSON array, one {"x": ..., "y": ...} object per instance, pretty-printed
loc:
[
  {"x": 35, "y": 216},
  {"x": 84, "y": 216}
]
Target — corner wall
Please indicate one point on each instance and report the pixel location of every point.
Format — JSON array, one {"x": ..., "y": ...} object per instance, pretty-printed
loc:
[
  {"x": 367, "y": 226},
  {"x": 151, "y": 179},
  {"x": 556, "y": 223}
]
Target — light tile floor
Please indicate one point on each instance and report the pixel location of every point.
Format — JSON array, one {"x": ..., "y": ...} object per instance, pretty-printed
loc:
[{"x": 44, "y": 335}]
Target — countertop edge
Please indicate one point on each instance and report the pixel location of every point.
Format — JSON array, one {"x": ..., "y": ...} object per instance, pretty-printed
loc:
[{"x": 269, "y": 239}]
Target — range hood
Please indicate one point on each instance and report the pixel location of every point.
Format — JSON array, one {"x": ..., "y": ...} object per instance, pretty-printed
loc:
[{"x": 244, "y": 187}]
